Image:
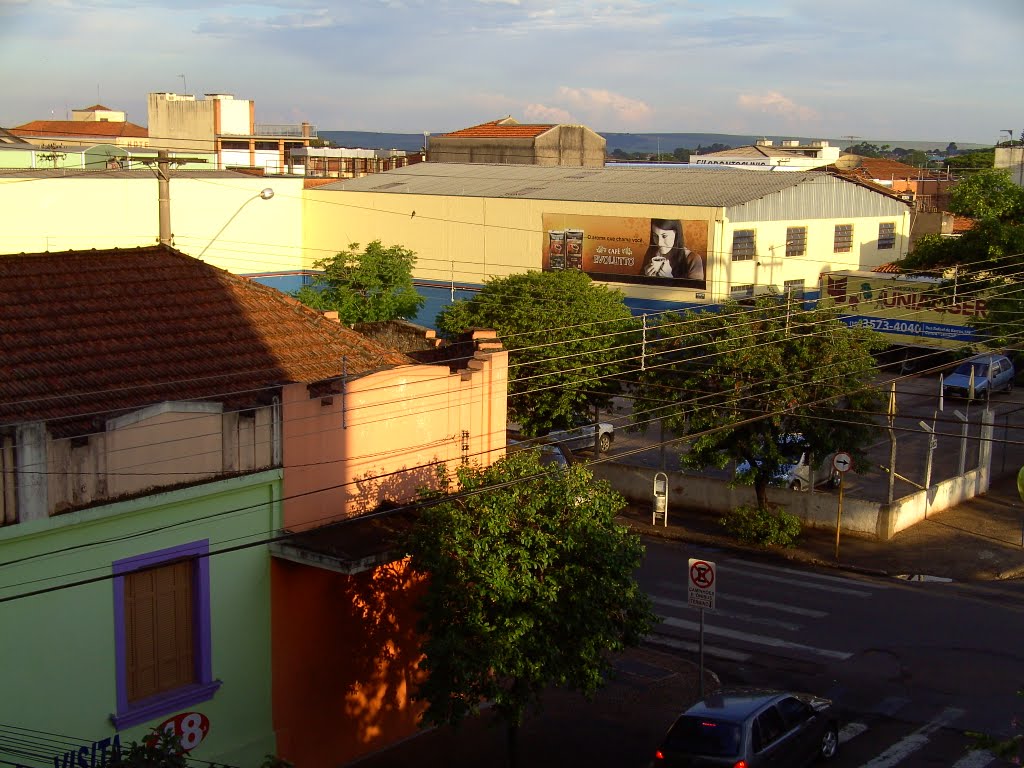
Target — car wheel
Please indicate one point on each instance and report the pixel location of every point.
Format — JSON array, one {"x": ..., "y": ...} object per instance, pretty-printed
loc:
[
  {"x": 795, "y": 485},
  {"x": 604, "y": 443},
  {"x": 829, "y": 747},
  {"x": 1009, "y": 386}
]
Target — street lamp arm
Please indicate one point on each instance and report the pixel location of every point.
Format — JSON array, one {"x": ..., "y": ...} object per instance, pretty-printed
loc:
[{"x": 264, "y": 194}]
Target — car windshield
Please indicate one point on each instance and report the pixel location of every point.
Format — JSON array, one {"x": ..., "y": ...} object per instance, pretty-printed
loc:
[
  {"x": 980, "y": 369},
  {"x": 704, "y": 736}
]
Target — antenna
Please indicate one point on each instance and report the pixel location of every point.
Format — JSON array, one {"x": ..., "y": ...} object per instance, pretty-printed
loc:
[{"x": 850, "y": 138}]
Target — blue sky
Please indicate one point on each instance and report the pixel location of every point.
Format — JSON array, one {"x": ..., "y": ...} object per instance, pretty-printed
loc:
[{"x": 913, "y": 69}]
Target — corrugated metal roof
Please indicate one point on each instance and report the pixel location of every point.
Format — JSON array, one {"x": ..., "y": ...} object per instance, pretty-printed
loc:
[{"x": 665, "y": 186}]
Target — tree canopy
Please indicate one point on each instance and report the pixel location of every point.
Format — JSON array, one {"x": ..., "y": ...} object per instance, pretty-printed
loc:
[
  {"x": 565, "y": 336},
  {"x": 742, "y": 379},
  {"x": 530, "y": 584},
  {"x": 365, "y": 286},
  {"x": 987, "y": 257}
]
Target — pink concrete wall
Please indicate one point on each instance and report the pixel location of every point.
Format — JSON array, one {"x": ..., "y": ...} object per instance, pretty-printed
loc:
[{"x": 382, "y": 438}]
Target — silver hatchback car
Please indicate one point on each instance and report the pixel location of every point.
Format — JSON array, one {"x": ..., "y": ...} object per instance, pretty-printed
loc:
[
  {"x": 987, "y": 374},
  {"x": 753, "y": 728}
]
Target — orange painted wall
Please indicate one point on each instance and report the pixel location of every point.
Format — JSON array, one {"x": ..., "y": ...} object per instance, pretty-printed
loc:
[{"x": 344, "y": 661}]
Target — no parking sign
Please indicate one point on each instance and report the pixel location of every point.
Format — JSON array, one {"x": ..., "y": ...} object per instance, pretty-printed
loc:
[{"x": 701, "y": 584}]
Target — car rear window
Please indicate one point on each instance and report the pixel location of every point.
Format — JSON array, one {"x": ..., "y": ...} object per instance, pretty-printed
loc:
[{"x": 704, "y": 736}]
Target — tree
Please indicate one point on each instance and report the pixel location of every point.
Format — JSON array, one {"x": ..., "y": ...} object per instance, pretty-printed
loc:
[
  {"x": 682, "y": 154},
  {"x": 743, "y": 380},
  {"x": 565, "y": 336},
  {"x": 529, "y": 585},
  {"x": 375, "y": 284},
  {"x": 987, "y": 257}
]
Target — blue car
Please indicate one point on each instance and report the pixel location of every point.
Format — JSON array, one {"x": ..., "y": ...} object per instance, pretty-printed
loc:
[{"x": 992, "y": 373}]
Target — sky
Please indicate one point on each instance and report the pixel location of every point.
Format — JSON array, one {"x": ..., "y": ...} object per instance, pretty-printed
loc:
[{"x": 876, "y": 70}]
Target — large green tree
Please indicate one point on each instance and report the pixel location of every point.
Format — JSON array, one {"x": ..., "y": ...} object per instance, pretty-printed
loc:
[
  {"x": 567, "y": 337},
  {"x": 365, "y": 286},
  {"x": 988, "y": 258},
  {"x": 530, "y": 584},
  {"x": 742, "y": 379}
]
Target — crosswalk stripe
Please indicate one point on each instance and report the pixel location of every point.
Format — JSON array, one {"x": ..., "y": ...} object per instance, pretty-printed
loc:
[
  {"x": 851, "y": 731},
  {"x": 731, "y": 598},
  {"x": 745, "y": 564},
  {"x": 805, "y": 583},
  {"x": 978, "y": 758},
  {"x": 709, "y": 650},
  {"x": 906, "y": 746},
  {"x": 719, "y": 613},
  {"x": 747, "y": 637}
]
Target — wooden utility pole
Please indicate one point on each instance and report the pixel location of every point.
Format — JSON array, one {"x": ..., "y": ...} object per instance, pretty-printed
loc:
[{"x": 163, "y": 175}]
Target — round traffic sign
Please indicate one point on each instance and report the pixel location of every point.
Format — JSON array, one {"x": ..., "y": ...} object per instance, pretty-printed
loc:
[
  {"x": 702, "y": 574},
  {"x": 842, "y": 461}
]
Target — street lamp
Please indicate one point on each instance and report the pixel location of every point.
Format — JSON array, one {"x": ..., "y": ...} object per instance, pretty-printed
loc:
[{"x": 264, "y": 194}]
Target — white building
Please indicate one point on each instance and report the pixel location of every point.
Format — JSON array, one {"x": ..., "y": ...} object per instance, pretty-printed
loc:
[{"x": 789, "y": 155}]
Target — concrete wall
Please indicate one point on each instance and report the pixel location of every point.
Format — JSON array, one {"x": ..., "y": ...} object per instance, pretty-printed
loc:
[
  {"x": 241, "y": 233},
  {"x": 815, "y": 510},
  {"x": 468, "y": 150},
  {"x": 571, "y": 145},
  {"x": 380, "y": 439}
]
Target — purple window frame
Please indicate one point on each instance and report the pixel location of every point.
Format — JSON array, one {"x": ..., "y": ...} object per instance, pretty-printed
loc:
[{"x": 133, "y": 713}]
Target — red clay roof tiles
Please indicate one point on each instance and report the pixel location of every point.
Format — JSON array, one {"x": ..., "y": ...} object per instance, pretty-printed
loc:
[
  {"x": 497, "y": 130},
  {"x": 87, "y": 334},
  {"x": 81, "y": 128}
]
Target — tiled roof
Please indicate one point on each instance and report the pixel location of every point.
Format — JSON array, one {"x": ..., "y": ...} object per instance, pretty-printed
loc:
[
  {"x": 683, "y": 185},
  {"x": 881, "y": 169},
  {"x": 497, "y": 129},
  {"x": 752, "y": 151},
  {"x": 962, "y": 224},
  {"x": 107, "y": 129},
  {"x": 889, "y": 269},
  {"x": 87, "y": 334},
  {"x": 96, "y": 108}
]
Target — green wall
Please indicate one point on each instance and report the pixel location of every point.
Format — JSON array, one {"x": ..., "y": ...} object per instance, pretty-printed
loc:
[{"x": 58, "y": 672}]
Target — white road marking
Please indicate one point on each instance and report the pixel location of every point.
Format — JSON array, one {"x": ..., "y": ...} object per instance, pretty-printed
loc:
[
  {"x": 890, "y": 705},
  {"x": 730, "y": 614},
  {"x": 744, "y": 564},
  {"x": 728, "y": 597},
  {"x": 908, "y": 745},
  {"x": 805, "y": 583},
  {"x": 851, "y": 731},
  {"x": 978, "y": 758},
  {"x": 709, "y": 650},
  {"x": 772, "y": 642}
]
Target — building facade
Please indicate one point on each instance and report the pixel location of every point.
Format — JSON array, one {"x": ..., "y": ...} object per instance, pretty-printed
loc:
[
  {"x": 788, "y": 155},
  {"x": 508, "y": 141}
]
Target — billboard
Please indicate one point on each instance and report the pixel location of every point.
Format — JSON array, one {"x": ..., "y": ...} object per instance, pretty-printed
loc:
[
  {"x": 906, "y": 309},
  {"x": 669, "y": 252}
]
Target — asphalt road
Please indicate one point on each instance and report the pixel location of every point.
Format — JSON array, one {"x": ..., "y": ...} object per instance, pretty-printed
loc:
[{"x": 913, "y": 666}]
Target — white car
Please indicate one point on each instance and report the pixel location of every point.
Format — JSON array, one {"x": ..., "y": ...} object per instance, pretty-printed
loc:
[
  {"x": 581, "y": 436},
  {"x": 795, "y": 471}
]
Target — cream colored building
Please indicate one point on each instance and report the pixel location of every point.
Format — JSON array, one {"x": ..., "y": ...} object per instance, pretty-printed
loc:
[
  {"x": 509, "y": 141},
  {"x": 788, "y": 155},
  {"x": 752, "y": 232},
  {"x": 225, "y": 128}
]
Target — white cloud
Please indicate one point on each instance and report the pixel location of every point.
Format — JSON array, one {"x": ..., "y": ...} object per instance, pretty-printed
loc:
[
  {"x": 598, "y": 102},
  {"x": 773, "y": 102},
  {"x": 539, "y": 113}
]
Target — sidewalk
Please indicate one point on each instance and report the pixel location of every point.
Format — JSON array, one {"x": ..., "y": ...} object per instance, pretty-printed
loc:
[{"x": 978, "y": 540}]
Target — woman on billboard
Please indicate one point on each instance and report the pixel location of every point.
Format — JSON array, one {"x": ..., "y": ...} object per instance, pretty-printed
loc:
[{"x": 668, "y": 256}]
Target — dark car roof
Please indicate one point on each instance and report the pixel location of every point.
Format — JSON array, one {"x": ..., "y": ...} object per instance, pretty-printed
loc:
[{"x": 735, "y": 703}]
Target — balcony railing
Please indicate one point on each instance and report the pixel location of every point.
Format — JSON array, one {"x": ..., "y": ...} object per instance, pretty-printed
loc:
[{"x": 279, "y": 129}]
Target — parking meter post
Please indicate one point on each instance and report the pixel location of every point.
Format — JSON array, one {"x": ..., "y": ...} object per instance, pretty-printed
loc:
[
  {"x": 839, "y": 513},
  {"x": 659, "y": 501},
  {"x": 700, "y": 654}
]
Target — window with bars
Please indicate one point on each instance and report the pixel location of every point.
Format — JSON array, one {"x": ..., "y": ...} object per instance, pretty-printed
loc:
[
  {"x": 741, "y": 291},
  {"x": 844, "y": 238},
  {"x": 162, "y": 632},
  {"x": 743, "y": 247},
  {"x": 796, "y": 241},
  {"x": 886, "y": 236},
  {"x": 794, "y": 289}
]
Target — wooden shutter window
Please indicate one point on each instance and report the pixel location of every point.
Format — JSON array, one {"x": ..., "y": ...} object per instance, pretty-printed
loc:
[{"x": 159, "y": 629}]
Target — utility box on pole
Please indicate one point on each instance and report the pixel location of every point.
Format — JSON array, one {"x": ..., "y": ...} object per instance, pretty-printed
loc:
[{"x": 659, "y": 508}]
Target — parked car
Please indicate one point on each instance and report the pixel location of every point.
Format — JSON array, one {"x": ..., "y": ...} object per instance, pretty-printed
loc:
[
  {"x": 752, "y": 728},
  {"x": 580, "y": 436},
  {"x": 795, "y": 471},
  {"x": 995, "y": 371},
  {"x": 550, "y": 455}
]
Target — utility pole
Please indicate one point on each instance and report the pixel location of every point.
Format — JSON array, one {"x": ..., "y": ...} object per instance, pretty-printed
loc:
[{"x": 163, "y": 175}]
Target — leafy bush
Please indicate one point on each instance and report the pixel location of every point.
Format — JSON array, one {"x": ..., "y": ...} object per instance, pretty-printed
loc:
[{"x": 758, "y": 526}]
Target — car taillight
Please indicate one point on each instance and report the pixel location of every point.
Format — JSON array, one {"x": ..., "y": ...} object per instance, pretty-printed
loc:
[
  {"x": 659, "y": 755},
  {"x": 741, "y": 764}
]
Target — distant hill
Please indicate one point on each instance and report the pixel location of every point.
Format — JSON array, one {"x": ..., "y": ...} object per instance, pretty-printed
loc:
[{"x": 628, "y": 142}]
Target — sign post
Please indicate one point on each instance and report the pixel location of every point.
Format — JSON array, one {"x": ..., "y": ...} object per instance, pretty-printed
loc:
[
  {"x": 842, "y": 462},
  {"x": 701, "y": 595}
]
